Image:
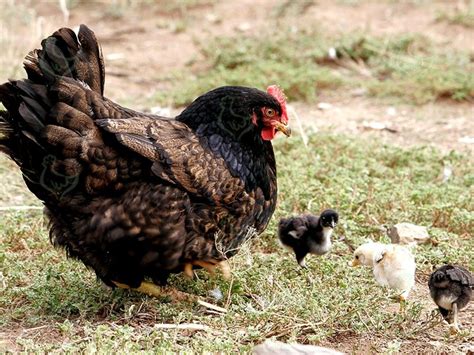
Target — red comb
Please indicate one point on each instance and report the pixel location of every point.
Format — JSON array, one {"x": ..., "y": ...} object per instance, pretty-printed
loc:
[{"x": 278, "y": 94}]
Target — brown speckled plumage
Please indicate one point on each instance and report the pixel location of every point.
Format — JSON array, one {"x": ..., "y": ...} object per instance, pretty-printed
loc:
[{"x": 129, "y": 194}]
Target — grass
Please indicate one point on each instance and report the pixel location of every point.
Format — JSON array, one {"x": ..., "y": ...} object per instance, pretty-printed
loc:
[
  {"x": 407, "y": 67},
  {"x": 257, "y": 62},
  {"x": 50, "y": 303},
  {"x": 461, "y": 16}
]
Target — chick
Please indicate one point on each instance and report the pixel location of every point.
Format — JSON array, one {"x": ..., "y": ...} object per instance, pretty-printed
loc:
[
  {"x": 308, "y": 234},
  {"x": 451, "y": 290},
  {"x": 393, "y": 265},
  {"x": 364, "y": 254}
]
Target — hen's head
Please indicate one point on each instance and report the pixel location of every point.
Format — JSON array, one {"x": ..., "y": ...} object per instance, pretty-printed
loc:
[
  {"x": 273, "y": 116},
  {"x": 237, "y": 110}
]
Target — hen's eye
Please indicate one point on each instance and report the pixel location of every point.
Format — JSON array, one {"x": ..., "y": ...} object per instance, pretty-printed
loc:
[
  {"x": 269, "y": 112},
  {"x": 357, "y": 256}
]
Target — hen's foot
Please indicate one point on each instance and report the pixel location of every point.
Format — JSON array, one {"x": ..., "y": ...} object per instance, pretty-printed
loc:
[
  {"x": 151, "y": 289},
  {"x": 210, "y": 266}
]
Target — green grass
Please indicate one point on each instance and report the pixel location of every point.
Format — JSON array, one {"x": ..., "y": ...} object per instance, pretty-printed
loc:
[
  {"x": 50, "y": 303},
  {"x": 287, "y": 59},
  {"x": 407, "y": 67},
  {"x": 463, "y": 17}
]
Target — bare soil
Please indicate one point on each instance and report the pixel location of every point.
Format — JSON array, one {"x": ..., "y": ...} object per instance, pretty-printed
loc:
[{"x": 144, "y": 42}]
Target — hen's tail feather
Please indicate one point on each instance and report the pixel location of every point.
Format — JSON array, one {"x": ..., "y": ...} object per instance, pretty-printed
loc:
[
  {"x": 67, "y": 55},
  {"x": 32, "y": 105}
]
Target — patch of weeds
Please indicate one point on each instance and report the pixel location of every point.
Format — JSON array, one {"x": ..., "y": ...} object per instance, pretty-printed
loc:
[
  {"x": 463, "y": 17},
  {"x": 287, "y": 59},
  {"x": 269, "y": 296},
  {"x": 409, "y": 67}
]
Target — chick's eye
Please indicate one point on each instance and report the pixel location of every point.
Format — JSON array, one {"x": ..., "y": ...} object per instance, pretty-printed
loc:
[
  {"x": 269, "y": 112},
  {"x": 357, "y": 256}
]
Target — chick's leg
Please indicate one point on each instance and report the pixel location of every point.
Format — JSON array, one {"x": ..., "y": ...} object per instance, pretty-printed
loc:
[
  {"x": 300, "y": 255},
  {"x": 454, "y": 327},
  {"x": 403, "y": 301}
]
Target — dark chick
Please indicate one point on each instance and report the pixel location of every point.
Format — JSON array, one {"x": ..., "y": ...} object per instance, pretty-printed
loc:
[
  {"x": 136, "y": 196},
  {"x": 308, "y": 234},
  {"x": 451, "y": 289}
]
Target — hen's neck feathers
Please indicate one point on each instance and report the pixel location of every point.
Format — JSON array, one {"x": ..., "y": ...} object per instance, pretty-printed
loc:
[{"x": 222, "y": 121}]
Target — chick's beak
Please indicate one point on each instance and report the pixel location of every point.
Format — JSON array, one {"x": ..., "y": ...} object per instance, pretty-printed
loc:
[
  {"x": 285, "y": 129},
  {"x": 355, "y": 262},
  {"x": 333, "y": 224}
]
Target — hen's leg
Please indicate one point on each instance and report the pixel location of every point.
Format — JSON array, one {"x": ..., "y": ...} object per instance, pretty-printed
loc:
[
  {"x": 151, "y": 289},
  {"x": 210, "y": 266}
]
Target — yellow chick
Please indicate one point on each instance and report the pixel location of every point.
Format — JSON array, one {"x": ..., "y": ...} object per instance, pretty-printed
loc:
[
  {"x": 364, "y": 254},
  {"x": 393, "y": 265}
]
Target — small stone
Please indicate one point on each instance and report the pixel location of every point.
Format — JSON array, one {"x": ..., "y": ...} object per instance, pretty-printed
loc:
[
  {"x": 244, "y": 27},
  {"x": 161, "y": 111},
  {"x": 391, "y": 111},
  {"x": 270, "y": 347},
  {"x": 216, "y": 294},
  {"x": 466, "y": 140},
  {"x": 115, "y": 56},
  {"x": 408, "y": 233},
  {"x": 332, "y": 53},
  {"x": 447, "y": 172},
  {"x": 213, "y": 18},
  {"x": 323, "y": 106},
  {"x": 359, "y": 92}
]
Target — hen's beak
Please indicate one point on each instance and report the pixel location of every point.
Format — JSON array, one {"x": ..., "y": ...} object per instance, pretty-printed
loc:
[
  {"x": 333, "y": 224},
  {"x": 283, "y": 128},
  {"x": 355, "y": 262}
]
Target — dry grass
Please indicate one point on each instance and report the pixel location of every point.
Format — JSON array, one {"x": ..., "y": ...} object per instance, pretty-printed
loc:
[{"x": 49, "y": 303}]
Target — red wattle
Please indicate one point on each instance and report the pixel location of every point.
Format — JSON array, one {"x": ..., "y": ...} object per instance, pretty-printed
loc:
[{"x": 268, "y": 133}]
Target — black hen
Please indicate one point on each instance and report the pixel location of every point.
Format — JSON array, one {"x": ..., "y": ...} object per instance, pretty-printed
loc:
[
  {"x": 308, "y": 234},
  {"x": 451, "y": 289},
  {"x": 132, "y": 195}
]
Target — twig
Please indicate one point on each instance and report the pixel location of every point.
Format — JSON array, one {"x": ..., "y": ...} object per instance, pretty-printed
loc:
[
  {"x": 300, "y": 125},
  {"x": 20, "y": 208},
  {"x": 229, "y": 294},
  {"x": 182, "y": 326},
  {"x": 35, "y": 328},
  {"x": 212, "y": 306},
  {"x": 64, "y": 10},
  {"x": 360, "y": 317}
]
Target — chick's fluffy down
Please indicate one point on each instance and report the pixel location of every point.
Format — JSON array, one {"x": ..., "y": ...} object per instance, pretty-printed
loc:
[{"x": 394, "y": 266}]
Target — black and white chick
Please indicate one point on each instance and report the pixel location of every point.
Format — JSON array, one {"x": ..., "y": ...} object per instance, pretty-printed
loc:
[
  {"x": 308, "y": 234},
  {"x": 451, "y": 290}
]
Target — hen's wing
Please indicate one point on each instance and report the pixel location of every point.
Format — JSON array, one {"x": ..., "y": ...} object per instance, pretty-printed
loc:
[{"x": 169, "y": 144}]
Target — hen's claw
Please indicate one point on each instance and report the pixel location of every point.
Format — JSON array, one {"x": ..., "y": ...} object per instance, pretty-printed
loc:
[
  {"x": 151, "y": 289},
  {"x": 210, "y": 266}
]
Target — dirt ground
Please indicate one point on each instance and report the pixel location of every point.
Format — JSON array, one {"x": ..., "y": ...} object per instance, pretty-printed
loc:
[
  {"x": 147, "y": 41},
  {"x": 144, "y": 42}
]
